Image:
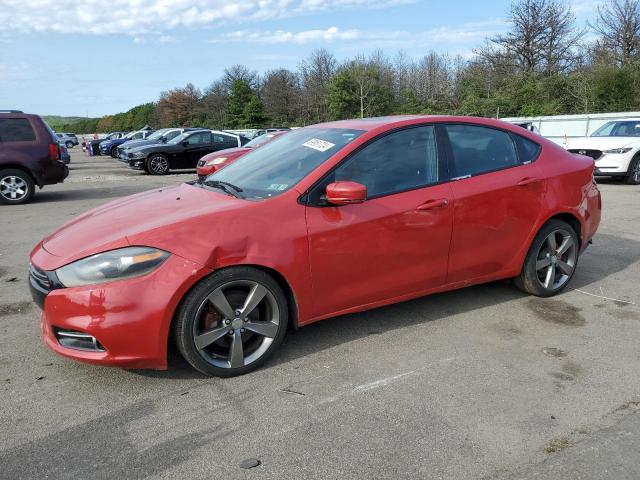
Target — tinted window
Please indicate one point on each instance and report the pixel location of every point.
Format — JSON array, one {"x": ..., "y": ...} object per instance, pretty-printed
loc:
[
  {"x": 394, "y": 163},
  {"x": 218, "y": 138},
  {"x": 199, "y": 138},
  {"x": 527, "y": 150},
  {"x": 277, "y": 166},
  {"x": 480, "y": 149},
  {"x": 16, "y": 130},
  {"x": 629, "y": 128}
]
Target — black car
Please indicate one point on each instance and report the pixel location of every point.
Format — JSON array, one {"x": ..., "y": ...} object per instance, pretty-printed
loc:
[
  {"x": 163, "y": 135},
  {"x": 183, "y": 152}
]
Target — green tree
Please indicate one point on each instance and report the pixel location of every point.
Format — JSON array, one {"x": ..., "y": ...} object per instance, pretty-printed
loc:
[
  {"x": 342, "y": 98},
  {"x": 240, "y": 95}
]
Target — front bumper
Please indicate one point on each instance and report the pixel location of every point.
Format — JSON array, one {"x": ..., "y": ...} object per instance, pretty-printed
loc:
[
  {"x": 136, "y": 163},
  {"x": 129, "y": 319}
]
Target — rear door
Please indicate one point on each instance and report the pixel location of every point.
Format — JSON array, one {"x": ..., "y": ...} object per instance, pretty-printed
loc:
[{"x": 498, "y": 197}]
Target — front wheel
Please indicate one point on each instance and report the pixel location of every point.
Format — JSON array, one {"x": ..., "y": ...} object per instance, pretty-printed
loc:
[
  {"x": 157, "y": 164},
  {"x": 551, "y": 261},
  {"x": 231, "y": 322},
  {"x": 69, "y": 144},
  {"x": 633, "y": 174},
  {"x": 16, "y": 187},
  {"x": 114, "y": 152}
]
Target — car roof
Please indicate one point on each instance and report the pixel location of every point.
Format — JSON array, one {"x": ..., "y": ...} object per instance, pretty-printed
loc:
[{"x": 386, "y": 123}]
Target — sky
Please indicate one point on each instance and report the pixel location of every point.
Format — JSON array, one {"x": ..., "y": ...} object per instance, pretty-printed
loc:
[{"x": 99, "y": 57}]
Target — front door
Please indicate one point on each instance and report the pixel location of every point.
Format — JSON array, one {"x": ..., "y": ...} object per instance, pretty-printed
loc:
[{"x": 394, "y": 244}]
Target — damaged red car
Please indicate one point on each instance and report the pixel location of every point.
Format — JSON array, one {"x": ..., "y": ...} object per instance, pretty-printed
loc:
[{"x": 329, "y": 219}]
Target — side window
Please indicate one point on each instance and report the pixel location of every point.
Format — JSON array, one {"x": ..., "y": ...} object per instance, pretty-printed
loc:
[
  {"x": 16, "y": 130},
  {"x": 527, "y": 150},
  {"x": 229, "y": 140},
  {"x": 480, "y": 149},
  {"x": 218, "y": 139},
  {"x": 199, "y": 138},
  {"x": 393, "y": 163}
]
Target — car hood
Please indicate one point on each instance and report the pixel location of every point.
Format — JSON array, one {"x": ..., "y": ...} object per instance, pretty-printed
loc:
[
  {"x": 602, "y": 143},
  {"x": 227, "y": 152},
  {"x": 166, "y": 218},
  {"x": 131, "y": 144},
  {"x": 156, "y": 147}
]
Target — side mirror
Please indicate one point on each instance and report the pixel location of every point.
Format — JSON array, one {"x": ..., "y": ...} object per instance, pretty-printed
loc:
[
  {"x": 346, "y": 193},
  {"x": 163, "y": 140},
  {"x": 185, "y": 143}
]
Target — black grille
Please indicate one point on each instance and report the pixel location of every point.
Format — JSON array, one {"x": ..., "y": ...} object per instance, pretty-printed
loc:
[
  {"x": 40, "y": 278},
  {"x": 595, "y": 154}
]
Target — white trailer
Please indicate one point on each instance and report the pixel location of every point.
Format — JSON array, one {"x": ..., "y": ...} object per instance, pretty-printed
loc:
[{"x": 562, "y": 128}]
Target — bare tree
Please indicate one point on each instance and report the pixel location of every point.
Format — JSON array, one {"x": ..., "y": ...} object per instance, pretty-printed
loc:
[
  {"x": 541, "y": 39},
  {"x": 315, "y": 72},
  {"x": 240, "y": 72},
  {"x": 280, "y": 93},
  {"x": 618, "y": 23}
]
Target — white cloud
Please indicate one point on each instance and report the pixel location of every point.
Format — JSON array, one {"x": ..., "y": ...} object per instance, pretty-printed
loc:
[
  {"x": 137, "y": 17},
  {"x": 464, "y": 34}
]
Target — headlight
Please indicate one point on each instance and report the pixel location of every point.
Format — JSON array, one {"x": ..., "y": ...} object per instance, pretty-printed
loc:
[
  {"x": 618, "y": 150},
  {"x": 138, "y": 154},
  {"x": 216, "y": 161},
  {"x": 114, "y": 265}
]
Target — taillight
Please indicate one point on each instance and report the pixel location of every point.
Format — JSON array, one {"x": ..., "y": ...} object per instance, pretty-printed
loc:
[{"x": 53, "y": 151}]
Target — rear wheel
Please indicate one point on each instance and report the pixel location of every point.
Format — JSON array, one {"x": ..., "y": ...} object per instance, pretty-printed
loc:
[
  {"x": 633, "y": 174},
  {"x": 69, "y": 144},
  {"x": 231, "y": 322},
  {"x": 157, "y": 164},
  {"x": 16, "y": 187},
  {"x": 551, "y": 261}
]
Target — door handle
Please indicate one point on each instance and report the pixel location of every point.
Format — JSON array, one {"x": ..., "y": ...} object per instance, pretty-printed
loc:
[
  {"x": 527, "y": 181},
  {"x": 432, "y": 204}
]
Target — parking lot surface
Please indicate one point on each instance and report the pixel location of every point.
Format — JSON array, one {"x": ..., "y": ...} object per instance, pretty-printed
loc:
[{"x": 483, "y": 382}]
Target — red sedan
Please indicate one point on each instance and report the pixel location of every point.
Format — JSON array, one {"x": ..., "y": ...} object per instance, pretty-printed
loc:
[
  {"x": 213, "y": 162},
  {"x": 329, "y": 219}
]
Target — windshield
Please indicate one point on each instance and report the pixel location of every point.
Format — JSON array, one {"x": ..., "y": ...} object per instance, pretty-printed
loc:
[
  {"x": 261, "y": 140},
  {"x": 276, "y": 167},
  {"x": 157, "y": 134},
  {"x": 179, "y": 138},
  {"x": 627, "y": 128}
]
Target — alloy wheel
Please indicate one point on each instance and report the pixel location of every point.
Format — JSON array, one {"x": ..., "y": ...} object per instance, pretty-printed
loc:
[
  {"x": 236, "y": 324},
  {"x": 13, "y": 188},
  {"x": 158, "y": 165},
  {"x": 556, "y": 259},
  {"x": 635, "y": 173}
]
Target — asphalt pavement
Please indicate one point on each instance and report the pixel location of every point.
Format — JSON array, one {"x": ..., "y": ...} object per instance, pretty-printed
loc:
[{"x": 480, "y": 383}]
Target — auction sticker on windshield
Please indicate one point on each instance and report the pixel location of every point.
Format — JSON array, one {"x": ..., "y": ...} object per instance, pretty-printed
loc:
[{"x": 319, "y": 145}]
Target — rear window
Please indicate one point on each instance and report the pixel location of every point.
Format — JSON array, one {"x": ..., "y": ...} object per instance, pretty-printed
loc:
[
  {"x": 16, "y": 130},
  {"x": 527, "y": 150}
]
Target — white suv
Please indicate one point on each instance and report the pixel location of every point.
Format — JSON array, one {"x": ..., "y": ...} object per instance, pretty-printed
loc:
[{"x": 616, "y": 149}]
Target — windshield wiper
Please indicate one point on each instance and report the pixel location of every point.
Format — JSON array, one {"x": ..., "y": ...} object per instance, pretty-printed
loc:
[{"x": 230, "y": 188}]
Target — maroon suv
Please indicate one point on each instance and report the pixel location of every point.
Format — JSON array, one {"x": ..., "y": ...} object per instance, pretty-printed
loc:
[{"x": 29, "y": 156}]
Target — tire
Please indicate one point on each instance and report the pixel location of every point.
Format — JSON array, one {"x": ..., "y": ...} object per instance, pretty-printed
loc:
[
  {"x": 547, "y": 270},
  {"x": 114, "y": 152},
  {"x": 157, "y": 164},
  {"x": 16, "y": 187},
  {"x": 69, "y": 144},
  {"x": 633, "y": 174},
  {"x": 208, "y": 339}
]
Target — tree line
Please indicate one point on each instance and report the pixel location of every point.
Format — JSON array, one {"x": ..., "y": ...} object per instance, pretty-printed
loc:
[{"x": 544, "y": 64}]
